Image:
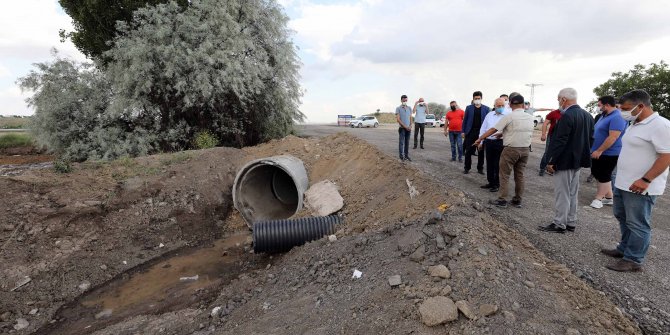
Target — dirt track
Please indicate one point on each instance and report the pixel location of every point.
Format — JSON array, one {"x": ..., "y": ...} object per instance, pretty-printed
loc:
[{"x": 634, "y": 293}]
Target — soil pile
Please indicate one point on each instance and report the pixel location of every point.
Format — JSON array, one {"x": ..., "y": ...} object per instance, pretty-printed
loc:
[{"x": 79, "y": 235}]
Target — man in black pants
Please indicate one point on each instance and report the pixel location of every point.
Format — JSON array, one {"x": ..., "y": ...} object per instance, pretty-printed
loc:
[
  {"x": 472, "y": 123},
  {"x": 420, "y": 110},
  {"x": 494, "y": 145}
]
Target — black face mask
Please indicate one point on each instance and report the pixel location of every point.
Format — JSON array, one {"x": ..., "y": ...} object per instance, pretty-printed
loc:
[{"x": 453, "y": 108}]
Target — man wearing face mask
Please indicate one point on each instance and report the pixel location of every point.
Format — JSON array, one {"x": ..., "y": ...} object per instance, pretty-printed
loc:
[
  {"x": 494, "y": 145},
  {"x": 642, "y": 174},
  {"x": 508, "y": 109},
  {"x": 420, "y": 109},
  {"x": 472, "y": 123},
  {"x": 403, "y": 116},
  {"x": 453, "y": 129},
  {"x": 569, "y": 150}
]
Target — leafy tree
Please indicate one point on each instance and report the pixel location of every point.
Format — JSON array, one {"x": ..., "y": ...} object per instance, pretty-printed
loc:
[
  {"x": 95, "y": 21},
  {"x": 225, "y": 68},
  {"x": 438, "y": 109},
  {"x": 655, "y": 79}
]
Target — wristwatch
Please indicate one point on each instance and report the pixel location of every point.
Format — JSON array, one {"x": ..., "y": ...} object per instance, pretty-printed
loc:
[{"x": 644, "y": 179}]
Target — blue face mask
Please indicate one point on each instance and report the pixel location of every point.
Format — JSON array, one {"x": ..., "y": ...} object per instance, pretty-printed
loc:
[{"x": 500, "y": 110}]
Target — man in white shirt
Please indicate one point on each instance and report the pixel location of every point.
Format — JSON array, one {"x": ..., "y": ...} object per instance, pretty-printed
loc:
[
  {"x": 642, "y": 174},
  {"x": 494, "y": 145},
  {"x": 517, "y": 129},
  {"x": 420, "y": 110}
]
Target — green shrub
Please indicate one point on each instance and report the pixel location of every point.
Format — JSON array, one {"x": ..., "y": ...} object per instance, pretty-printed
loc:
[
  {"x": 205, "y": 140},
  {"x": 15, "y": 140},
  {"x": 62, "y": 165}
]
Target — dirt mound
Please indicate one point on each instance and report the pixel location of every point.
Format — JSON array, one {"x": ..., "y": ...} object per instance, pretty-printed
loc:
[{"x": 107, "y": 224}]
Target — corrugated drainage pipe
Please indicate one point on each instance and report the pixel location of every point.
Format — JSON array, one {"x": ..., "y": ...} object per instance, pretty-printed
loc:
[
  {"x": 282, "y": 235},
  {"x": 270, "y": 188}
]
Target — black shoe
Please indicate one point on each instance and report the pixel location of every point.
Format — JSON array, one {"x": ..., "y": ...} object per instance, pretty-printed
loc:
[
  {"x": 611, "y": 252},
  {"x": 422, "y": 147},
  {"x": 486, "y": 186},
  {"x": 570, "y": 228},
  {"x": 407, "y": 159},
  {"x": 552, "y": 228},
  {"x": 499, "y": 202},
  {"x": 466, "y": 171},
  {"x": 460, "y": 160},
  {"x": 402, "y": 158},
  {"x": 494, "y": 189},
  {"x": 453, "y": 159},
  {"x": 516, "y": 203},
  {"x": 541, "y": 173},
  {"x": 414, "y": 146},
  {"x": 480, "y": 171}
]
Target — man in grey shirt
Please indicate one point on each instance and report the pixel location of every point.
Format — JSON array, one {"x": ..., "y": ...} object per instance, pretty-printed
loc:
[
  {"x": 420, "y": 110},
  {"x": 403, "y": 114}
]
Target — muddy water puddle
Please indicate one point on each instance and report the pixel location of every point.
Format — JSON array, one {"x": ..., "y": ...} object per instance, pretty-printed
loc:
[{"x": 185, "y": 278}]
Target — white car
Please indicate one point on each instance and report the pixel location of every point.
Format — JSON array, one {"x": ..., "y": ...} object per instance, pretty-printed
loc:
[
  {"x": 431, "y": 121},
  {"x": 537, "y": 120},
  {"x": 364, "y": 121},
  {"x": 441, "y": 122}
]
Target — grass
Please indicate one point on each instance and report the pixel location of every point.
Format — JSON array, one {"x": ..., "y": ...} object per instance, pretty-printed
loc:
[
  {"x": 385, "y": 117},
  {"x": 13, "y": 140},
  {"x": 14, "y": 122}
]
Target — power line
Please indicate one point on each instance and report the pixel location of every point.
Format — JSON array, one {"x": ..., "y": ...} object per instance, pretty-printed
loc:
[{"x": 532, "y": 92}]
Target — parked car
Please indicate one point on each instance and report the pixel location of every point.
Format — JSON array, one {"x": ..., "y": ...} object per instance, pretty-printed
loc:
[
  {"x": 441, "y": 122},
  {"x": 364, "y": 121},
  {"x": 538, "y": 120},
  {"x": 431, "y": 121}
]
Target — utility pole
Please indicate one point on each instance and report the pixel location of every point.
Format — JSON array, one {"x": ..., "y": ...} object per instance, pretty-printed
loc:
[{"x": 532, "y": 93}]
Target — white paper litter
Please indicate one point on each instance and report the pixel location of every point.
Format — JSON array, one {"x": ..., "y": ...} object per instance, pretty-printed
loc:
[{"x": 357, "y": 274}]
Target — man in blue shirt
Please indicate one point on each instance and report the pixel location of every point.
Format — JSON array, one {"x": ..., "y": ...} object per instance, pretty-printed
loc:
[
  {"x": 472, "y": 123},
  {"x": 606, "y": 148},
  {"x": 420, "y": 110},
  {"x": 403, "y": 114},
  {"x": 494, "y": 145}
]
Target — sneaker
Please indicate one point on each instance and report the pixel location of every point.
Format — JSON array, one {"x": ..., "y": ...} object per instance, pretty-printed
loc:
[
  {"x": 570, "y": 228},
  {"x": 407, "y": 159},
  {"x": 552, "y": 228},
  {"x": 597, "y": 204},
  {"x": 502, "y": 203},
  {"x": 516, "y": 203},
  {"x": 608, "y": 202},
  {"x": 494, "y": 189}
]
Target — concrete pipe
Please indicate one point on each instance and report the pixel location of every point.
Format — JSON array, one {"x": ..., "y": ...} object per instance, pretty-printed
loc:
[{"x": 270, "y": 188}]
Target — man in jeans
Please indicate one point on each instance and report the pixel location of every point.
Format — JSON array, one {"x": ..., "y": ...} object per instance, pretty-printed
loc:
[
  {"x": 517, "y": 130},
  {"x": 420, "y": 109},
  {"x": 642, "y": 174},
  {"x": 453, "y": 129},
  {"x": 472, "y": 122},
  {"x": 403, "y": 114},
  {"x": 547, "y": 129},
  {"x": 568, "y": 152}
]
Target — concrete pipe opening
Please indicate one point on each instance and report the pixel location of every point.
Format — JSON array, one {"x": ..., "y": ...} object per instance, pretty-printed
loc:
[{"x": 270, "y": 188}]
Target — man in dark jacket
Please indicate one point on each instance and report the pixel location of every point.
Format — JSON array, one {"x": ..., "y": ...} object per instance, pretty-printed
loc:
[
  {"x": 472, "y": 123},
  {"x": 568, "y": 152}
]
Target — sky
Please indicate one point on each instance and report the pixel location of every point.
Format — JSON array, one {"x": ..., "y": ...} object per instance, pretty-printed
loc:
[{"x": 360, "y": 56}]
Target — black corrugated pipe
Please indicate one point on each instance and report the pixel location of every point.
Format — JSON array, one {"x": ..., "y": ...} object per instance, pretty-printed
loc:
[{"x": 282, "y": 235}]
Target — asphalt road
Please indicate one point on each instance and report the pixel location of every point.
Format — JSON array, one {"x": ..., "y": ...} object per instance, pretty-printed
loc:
[{"x": 645, "y": 296}]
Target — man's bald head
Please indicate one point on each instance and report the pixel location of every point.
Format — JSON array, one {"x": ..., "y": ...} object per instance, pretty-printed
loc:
[{"x": 500, "y": 102}]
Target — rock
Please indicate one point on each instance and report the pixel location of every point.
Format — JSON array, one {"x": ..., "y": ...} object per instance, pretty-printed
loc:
[
  {"x": 33, "y": 311},
  {"x": 85, "y": 285},
  {"x": 509, "y": 316},
  {"x": 466, "y": 309},
  {"x": 439, "y": 271},
  {"x": 438, "y": 310},
  {"x": 572, "y": 331},
  {"x": 395, "y": 280},
  {"x": 92, "y": 203},
  {"x": 645, "y": 309},
  {"x": 529, "y": 283},
  {"x": 483, "y": 251},
  {"x": 8, "y": 227},
  {"x": 21, "y": 324},
  {"x": 446, "y": 290},
  {"x": 215, "y": 312},
  {"x": 4, "y": 317},
  {"x": 439, "y": 241},
  {"x": 419, "y": 254},
  {"x": 435, "y": 217},
  {"x": 410, "y": 240},
  {"x": 488, "y": 310},
  {"x": 478, "y": 207},
  {"x": 479, "y": 273},
  {"x": 104, "y": 314},
  {"x": 22, "y": 282},
  {"x": 452, "y": 252},
  {"x": 103, "y": 267},
  {"x": 516, "y": 306},
  {"x": 323, "y": 198},
  {"x": 332, "y": 238}
]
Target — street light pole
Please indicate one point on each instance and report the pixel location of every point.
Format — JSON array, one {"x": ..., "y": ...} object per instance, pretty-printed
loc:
[{"x": 532, "y": 92}]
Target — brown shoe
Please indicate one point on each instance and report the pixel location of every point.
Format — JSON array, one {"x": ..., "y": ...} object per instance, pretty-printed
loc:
[
  {"x": 611, "y": 252},
  {"x": 623, "y": 265}
]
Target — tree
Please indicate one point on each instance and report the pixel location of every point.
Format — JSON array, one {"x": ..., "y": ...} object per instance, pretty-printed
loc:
[
  {"x": 655, "y": 79},
  {"x": 438, "y": 109},
  {"x": 95, "y": 21},
  {"x": 225, "y": 68}
]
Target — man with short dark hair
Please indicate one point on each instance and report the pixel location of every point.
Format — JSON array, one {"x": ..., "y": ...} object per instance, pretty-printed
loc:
[
  {"x": 453, "y": 128},
  {"x": 568, "y": 152},
  {"x": 642, "y": 174},
  {"x": 517, "y": 130},
  {"x": 403, "y": 117},
  {"x": 420, "y": 110},
  {"x": 472, "y": 123}
]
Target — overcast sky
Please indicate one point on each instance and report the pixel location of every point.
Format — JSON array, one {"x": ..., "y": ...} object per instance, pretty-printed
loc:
[{"x": 360, "y": 56}]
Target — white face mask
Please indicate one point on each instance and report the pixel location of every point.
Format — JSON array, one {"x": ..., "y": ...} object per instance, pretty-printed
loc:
[
  {"x": 404, "y": 103},
  {"x": 628, "y": 115},
  {"x": 478, "y": 102}
]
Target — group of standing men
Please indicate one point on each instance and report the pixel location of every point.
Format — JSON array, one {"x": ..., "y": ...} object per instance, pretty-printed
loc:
[{"x": 574, "y": 140}]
